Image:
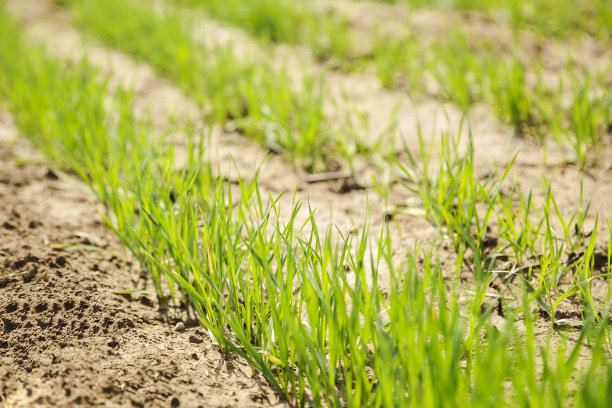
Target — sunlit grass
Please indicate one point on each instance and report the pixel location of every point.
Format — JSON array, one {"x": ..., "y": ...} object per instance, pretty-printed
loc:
[
  {"x": 549, "y": 18},
  {"x": 468, "y": 70},
  {"x": 260, "y": 99},
  {"x": 305, "y": 306},
  {"x": 505, "y": 232}
]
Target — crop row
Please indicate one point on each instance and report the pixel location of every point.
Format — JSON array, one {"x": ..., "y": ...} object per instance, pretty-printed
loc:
[{"x": 467, "y": 68}]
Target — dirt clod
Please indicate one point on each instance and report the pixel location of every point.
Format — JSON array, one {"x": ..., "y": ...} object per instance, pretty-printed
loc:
[{"x": 195, "y": 339}]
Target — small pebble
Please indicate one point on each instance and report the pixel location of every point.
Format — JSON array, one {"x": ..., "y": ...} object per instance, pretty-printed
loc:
[{"x": 180, "y": 326}]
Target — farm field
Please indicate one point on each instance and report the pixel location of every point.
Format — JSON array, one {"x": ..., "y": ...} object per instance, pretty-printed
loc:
[{"x": 292, "y": 203}]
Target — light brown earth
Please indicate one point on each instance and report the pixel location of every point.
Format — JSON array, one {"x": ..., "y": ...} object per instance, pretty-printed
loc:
[{"x": 68, "y": 338}]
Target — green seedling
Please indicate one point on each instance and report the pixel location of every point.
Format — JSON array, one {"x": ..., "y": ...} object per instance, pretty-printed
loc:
[{"x": 459, "y": 204}]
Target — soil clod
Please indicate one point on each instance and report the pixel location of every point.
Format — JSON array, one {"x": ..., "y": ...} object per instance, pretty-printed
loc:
[{"x": 195, "y": 339}]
